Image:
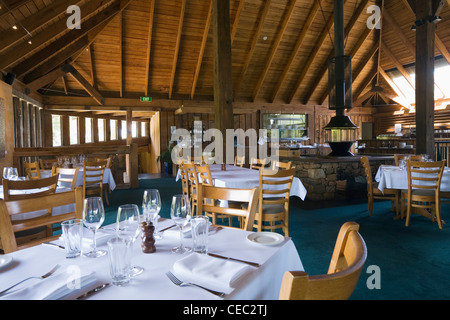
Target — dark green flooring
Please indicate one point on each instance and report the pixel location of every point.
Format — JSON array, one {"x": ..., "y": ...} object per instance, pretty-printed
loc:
[{"x": 413, "y": 262}]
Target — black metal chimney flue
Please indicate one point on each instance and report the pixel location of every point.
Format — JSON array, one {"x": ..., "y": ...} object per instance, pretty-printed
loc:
[{"x": 340, "y": 132}]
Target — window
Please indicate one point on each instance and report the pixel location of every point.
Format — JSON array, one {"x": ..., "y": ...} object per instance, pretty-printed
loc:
[
  {"x": 88, "y": 131},
  {"x": 143, "y": 129},
  {"x": 56, "y": 131},
  {"x": 73, "y": 128},
  {"x": 101, "y": 129},
  {"x": 124, "y": 130},
  {"x": 113, "y": 129},
  {"x": 134, "y": 129}
]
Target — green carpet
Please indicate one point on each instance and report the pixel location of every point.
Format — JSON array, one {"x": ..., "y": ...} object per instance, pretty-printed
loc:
[{"x": 413, "y": 261}]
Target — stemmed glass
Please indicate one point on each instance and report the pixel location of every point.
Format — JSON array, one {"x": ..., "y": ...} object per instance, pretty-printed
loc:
[
  {"x": 151, "y": 205},
  {"x": 129, "y": 227},
  {"x": 93, "y": 217},
  {"x": 180, "y": 212}
]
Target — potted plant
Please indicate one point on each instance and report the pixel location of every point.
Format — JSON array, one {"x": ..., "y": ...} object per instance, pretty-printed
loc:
[{"x": 166, "y": 158}]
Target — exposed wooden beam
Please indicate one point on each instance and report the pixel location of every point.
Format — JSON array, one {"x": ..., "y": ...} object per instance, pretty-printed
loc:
[
  {"x": 90, "y": 52},
  {"x": 85, "y": 84},
  {"x": 236, "y": 19},
  {"x": 32, "y": 23},
  {"x": 149, "y": 46},
  {"x": 63, "y": 78},
  {"x": 275, "y": 46},
  {"x": 252, "y": 46},
  {"x": 402, "y": 99},
  {"x": 298, "y": 44},
  {"x": 46, "y": 35},
  {"x": 121, "y": 54},
  {"x": 177, "y": 47},
  {"x": 397, "y": 64},
  {"x": 4, "y": 10},
  {"x": 202, "y": 50},
  {"x": 399, "y": 32},
  {"x": 45, "y": 79},
  {"x": 66, "y": 40}
]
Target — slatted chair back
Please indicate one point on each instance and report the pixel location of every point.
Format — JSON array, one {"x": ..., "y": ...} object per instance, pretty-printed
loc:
[
  {"x": 22, "y": 189},
  {"x": 239, "y": 161},
  {"x": 257, "y": 163},
  {"x": 184, "y": 179},
  {"x": 281, "y": 165},
  {"x": 67, "y": 176},
  {"x": 32, "y": 170},
  {"x": 204, "y": 174},
  {"x": 192, "y": 176},
  {"x": 93, "y": 172},
  {"x": 412, "y": 157},
  {"x": 211, "y": 196},
  {"x": 46, "y": 164},
  {"x": 349, "y": 256},
  {"x": 9, "y": 208}
]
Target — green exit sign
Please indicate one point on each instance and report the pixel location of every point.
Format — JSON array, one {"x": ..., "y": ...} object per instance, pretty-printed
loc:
[{"x": 146, "y": 99}]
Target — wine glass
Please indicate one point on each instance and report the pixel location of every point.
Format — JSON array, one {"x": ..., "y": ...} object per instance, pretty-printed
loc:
[
  {"x": 180, "y": 212},
  {"x": 129, "y": 227},
  {"x": 93, "y": 217},
  {"x": 13, "y": 173},
  {"x": 6, "y": 172},
  {"x": 151, "y": 205}
]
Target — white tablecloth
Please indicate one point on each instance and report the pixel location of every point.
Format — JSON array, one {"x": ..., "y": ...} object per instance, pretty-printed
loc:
[
  {"x": 261, "y": 283},
  {"x": 107, "y": 177},
  {"x": 244, "y": 178},
  {"x": 392, "y": 177}
]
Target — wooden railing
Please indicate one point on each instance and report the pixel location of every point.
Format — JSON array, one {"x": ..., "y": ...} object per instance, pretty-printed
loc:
[{"x": 130, "y": 151}]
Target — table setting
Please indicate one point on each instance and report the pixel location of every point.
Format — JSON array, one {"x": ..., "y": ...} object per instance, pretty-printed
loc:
[{"x": 144, "y": 256}]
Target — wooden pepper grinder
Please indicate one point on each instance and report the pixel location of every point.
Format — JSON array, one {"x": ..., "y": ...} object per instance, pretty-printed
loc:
[{"x": 148, "y": 239}]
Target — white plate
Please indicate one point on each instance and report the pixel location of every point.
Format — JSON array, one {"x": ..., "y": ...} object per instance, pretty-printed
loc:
[
  {"x": 5, "y": 260},
  {"x": 266, "y": 238}
]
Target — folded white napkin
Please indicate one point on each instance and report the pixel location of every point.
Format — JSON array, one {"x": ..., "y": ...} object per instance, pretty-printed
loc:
[
  {"x": 54, "y": 287},
  {"x": 213, "y": 273},
  {"x": 102, "y": 237}
]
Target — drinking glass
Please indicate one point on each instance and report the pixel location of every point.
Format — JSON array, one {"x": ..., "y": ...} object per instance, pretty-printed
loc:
[
  {"x": 13, "y": 173},
  {"x": 93, "y": 217},
  {"x": 180, "y": 212},
  {"x": 129, "y": 227},
  {"x": 6, "y": 172},
  {"x": 151, "y": 205}
]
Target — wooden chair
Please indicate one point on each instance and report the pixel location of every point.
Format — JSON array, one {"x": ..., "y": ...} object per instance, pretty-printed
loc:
[
  {"x": 281, "y": 165},
  {"x": 67, "y": 176},
  {"x": 93, "y": 172},
  {"x": 184, "y": 179},
  {"x": 192, "y": 176},
  {"x": 8, "y": 227},
  {"x": 347, "y": 261},
  {"x": 257, "y": 163},
  {"x": 239, "y": 161},
  {"x": 424, "y": 181},
  {"x": 32, "y": 170},
  {"x": 204, "y": 173},
  {"x": 273, "y": 204},
  {"x": 413, "y": 157},
  {"x": 374, "y": 193},
  {"x": 46, "y": 164},
  {"x": 29, "y": 189},
  {"x": 210, "y": 196}
]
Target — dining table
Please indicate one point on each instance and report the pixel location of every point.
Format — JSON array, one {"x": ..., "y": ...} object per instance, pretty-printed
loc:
[
  {"x": 262, "y": 282},
  {"x": 245, "y": 178},
  {"x": 107, "y": 177},
  {"x": 394, "y": 177}
]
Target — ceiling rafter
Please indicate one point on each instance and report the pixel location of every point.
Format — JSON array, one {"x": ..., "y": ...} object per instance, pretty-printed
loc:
[
  {"x": 11, "y": 7},
  {"x": 63, "y": 42},
  {"x": 236, "y": 19},
  {"x": 359, "y": 11},
  {"x": 23, "y": 50},
  {"x": 252, "y": 47},
  {"x": 397, "y": 64},
  {"x": 298, "y": 44},
  {"x": 202, "y": 50},
  {"x": 90, "y": 52},
  {"x": 177, "y": 47},
  {"x": 84, "y": 83},
  {"x": 149, "y": 46},
  {"x": 32, "y": 23},
  {"x": 275, "y": 46}
]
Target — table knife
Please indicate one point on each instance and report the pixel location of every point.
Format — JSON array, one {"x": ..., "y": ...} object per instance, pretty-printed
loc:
[
  {"x": 95, "y": 290},
  {"x": 254, "y": 264}
]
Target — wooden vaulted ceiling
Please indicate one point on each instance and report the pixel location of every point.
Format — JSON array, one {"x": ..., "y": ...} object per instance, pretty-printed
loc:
[{"x": 163, "y": 49}]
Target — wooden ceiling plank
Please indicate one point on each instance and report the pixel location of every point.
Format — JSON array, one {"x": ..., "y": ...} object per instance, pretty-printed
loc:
[
  {"x": 4, "y": 10},
  {"x": 202, "y": 50},
  {"x": 274, "y": 48},
  {"x": 149, "y": 47},
  {"x": 30, "y": 24},
  {"x": 121, "y": 54},
  {"x": 298, "y": 44},
  {"x": 85, "y": 84},
  {"x": 399, "y": 33},
  {"x": 398, "y": 65},
  {"x": 252, "y": 47},
  {"x": 177, "y": 47},
  {"x": 63, "y": 42},
  {"x": 45, "y": 36},
  {"x": 359, "y": 11}
]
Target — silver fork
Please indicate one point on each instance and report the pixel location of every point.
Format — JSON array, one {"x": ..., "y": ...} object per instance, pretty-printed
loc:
[
  {"x": 48, "y": 274},
  {"x": 180, "y": 283}
]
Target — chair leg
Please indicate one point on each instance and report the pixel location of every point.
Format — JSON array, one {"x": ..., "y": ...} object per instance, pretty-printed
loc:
[
  {"x": 370, "y": 204},
  {"x": 437, "y": 209},
  {"x": 408, "y": 213}
]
